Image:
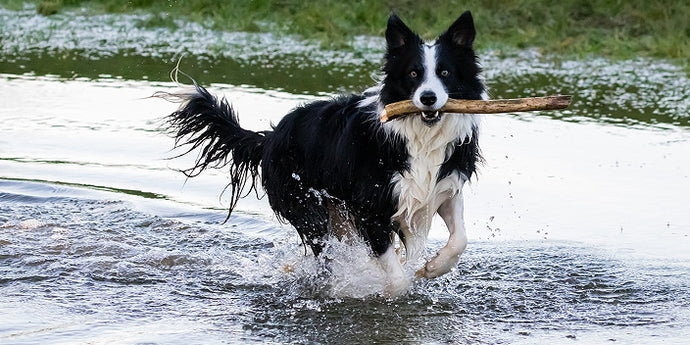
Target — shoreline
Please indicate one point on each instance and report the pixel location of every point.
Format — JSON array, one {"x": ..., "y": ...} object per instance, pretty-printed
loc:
[{"x": 569, "y": 29}]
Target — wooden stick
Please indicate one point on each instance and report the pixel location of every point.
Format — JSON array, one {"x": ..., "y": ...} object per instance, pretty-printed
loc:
[{"x": 467, "y": 106}]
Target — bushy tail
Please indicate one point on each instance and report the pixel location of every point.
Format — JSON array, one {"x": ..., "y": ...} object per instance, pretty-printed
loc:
[{"x": 205, "y": 123}]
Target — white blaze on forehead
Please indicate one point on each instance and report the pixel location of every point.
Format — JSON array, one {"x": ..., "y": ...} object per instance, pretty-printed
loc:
[{"x": 431, "y": 81}]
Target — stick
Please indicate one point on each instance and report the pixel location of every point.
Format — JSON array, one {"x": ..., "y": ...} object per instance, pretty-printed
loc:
[{"x": 467, "y": 106}]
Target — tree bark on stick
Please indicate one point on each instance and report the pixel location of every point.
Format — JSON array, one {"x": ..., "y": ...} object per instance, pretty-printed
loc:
[{"x": 493, "y": 106}]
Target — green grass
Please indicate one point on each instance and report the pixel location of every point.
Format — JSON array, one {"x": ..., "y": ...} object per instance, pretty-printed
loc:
[{"x": 610, "y": 28}]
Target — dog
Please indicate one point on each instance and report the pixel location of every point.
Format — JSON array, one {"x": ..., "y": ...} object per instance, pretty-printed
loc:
[{"x": 331, "y": 169}]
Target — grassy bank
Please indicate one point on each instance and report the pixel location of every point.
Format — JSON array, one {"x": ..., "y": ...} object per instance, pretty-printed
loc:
[{"x": 610, "y": 28}]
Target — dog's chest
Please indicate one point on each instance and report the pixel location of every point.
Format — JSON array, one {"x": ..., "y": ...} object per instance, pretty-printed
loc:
[{"x": 418, "y": 189}]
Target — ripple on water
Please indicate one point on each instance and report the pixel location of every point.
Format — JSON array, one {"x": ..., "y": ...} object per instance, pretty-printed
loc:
[{"x": 104, "y": 259}]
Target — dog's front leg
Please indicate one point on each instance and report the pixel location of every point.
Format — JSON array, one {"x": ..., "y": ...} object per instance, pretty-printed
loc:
[
  {"x": 452, "y": 213},
  {"x": 397, "y": 283}
]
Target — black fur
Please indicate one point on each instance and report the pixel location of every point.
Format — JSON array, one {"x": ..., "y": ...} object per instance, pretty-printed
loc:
[
  {"x": 211, "y": 125},
  {"x": 331, "y": 156},
  {"x": 331, "y": 152}
]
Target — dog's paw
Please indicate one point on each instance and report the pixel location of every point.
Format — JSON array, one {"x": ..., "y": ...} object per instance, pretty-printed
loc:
[
  {"x": 396, "y": 287},
  {"x": 438, "y": 266}
]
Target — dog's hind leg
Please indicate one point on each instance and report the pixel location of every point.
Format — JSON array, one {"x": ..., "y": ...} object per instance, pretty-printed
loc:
[
  {"x": 341, "y": 223},
  {"x": 304, "y": 208},
  {"x": 447, "y": 257},
  {"x": 310, "y": 219}
]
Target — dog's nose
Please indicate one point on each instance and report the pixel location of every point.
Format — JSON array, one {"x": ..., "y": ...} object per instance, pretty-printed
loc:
[{"x": 427, "y": 98}]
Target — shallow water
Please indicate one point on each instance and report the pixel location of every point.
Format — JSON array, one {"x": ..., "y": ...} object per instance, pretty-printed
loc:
[
  {"x": 578, "y": 221},
  {"x": 87, "y": 266}
]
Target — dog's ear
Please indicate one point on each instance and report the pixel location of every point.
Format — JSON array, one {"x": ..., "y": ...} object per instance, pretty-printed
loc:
[
  {"x": 461, "y": 33},
  {"x": 397, "y": 33}
]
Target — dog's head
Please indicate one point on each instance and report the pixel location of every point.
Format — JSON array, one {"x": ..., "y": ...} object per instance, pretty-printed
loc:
[{"x": 429, "y": 74}]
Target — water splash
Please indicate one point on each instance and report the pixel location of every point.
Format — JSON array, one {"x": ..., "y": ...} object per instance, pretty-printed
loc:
[{"x": 112, "y": 266}]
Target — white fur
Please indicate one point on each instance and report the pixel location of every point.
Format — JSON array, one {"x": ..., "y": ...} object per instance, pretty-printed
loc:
[
  {"x": 431, "y": 81},
  {"x": 451, "y": 211},
  {"x": 397, "y": 282},
  {"x": 419, "y": 194},
  {"x": 372, "y": 96}
]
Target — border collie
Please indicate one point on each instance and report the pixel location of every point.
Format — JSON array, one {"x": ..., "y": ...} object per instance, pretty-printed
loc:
[{"x": 332, "y": 169}]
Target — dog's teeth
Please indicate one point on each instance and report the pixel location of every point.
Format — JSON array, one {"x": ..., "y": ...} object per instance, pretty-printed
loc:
[{"x": 430, "y": 115}]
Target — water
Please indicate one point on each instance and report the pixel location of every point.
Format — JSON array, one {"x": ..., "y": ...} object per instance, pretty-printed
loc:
[{"x": 578, "y": 221}]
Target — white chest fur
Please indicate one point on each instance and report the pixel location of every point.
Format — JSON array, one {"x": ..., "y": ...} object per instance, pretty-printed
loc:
[{"x": 419, "y": 192}]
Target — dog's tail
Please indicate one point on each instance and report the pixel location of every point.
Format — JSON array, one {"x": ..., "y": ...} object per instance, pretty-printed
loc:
[{"x": 210, "y": 125}]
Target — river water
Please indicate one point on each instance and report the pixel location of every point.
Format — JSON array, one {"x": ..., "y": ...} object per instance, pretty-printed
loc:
[{"x": 578, "y": 222}]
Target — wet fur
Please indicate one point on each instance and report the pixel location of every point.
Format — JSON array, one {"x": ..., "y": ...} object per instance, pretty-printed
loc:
[{"x": 330, "y": 168}]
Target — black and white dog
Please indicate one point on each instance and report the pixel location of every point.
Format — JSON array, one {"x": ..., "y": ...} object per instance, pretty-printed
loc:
[{"x": 330, "y": 168}]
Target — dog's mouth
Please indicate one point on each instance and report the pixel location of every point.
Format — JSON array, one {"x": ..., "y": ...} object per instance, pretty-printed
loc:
[{"x": 431, "y": 117}]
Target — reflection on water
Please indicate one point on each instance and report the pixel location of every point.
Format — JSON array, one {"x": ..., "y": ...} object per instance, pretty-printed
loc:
[
  {"x": 637, "y": 92},
  {"x": 643, "y": 91},
  {"x": 108, "y": 265},
  {"x": 287, "y": 74}
]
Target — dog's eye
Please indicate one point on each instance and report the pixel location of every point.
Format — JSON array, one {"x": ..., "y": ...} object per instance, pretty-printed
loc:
[
  {"x": 413, "y": 74},
  {"x": 445, "y": 73}
]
